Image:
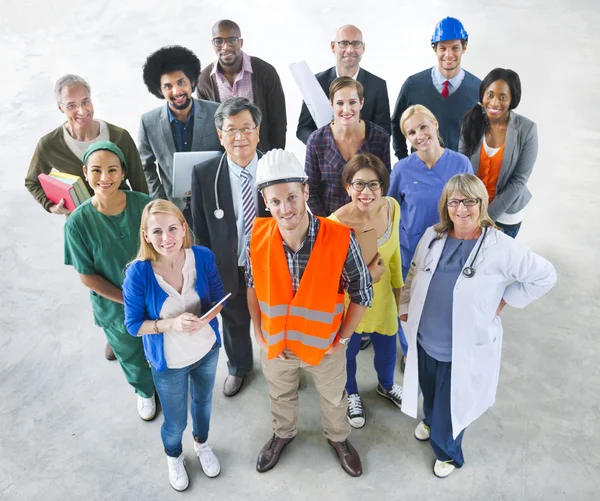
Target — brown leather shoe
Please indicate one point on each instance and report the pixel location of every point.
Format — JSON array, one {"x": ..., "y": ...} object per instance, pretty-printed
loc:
[
  {"x": 269, "y": 455},
  {"x": 232, "y": 385},
  {"x": 349, "y": 458},
  {"x": 109, "y": 353}
]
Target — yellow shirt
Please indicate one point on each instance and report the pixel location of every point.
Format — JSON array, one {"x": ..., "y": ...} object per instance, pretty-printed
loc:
[{"x": 382, "y": 316}]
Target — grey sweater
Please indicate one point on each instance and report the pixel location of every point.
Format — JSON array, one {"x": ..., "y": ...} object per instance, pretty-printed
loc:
[{"x": 449, "y": 111}]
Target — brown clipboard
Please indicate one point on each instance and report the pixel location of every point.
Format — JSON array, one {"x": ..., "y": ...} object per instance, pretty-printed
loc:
[{"x": 368, "y": 244}]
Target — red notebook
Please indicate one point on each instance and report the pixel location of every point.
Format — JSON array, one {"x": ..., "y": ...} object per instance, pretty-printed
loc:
[{"x": 55, "y": 190}]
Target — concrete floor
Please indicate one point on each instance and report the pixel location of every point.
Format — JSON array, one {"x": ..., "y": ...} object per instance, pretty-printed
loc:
[{"x": 68, "y": 425}]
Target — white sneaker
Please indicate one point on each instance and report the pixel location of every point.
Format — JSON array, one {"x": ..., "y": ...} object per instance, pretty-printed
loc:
[
  {"x": 209, "y": 462},
  {"x": 146, "y": 407},
  {"x": 355, "y": 413},
  {"x": 442, "y": 469},
  {"x": 178, "y": 477},
  {"x": 422, "y": 432}
]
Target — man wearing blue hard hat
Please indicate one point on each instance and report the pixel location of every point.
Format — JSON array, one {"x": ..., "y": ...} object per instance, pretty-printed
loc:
[{"x": 446, "y": 89}]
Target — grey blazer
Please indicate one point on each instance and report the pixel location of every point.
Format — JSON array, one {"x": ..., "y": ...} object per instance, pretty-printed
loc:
[
  {"x": 157, "y": 146},
  {"x": 520, "y": 153}
]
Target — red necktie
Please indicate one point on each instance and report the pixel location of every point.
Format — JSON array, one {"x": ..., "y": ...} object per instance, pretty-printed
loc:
[{"x": 445, "y": 91}]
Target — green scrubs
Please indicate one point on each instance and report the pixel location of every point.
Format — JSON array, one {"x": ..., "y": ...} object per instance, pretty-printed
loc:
[{"x": 96, "y": 244}]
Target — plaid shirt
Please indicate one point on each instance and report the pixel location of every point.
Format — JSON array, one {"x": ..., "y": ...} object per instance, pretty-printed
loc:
[
  {"x": 242, "y": 86},
  {"x": 355, "y": 279},
  {"x": 324, "y": 165}
]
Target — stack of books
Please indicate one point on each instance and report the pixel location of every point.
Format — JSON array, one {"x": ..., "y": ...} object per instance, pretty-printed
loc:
[{"x": 70, "y": 188}]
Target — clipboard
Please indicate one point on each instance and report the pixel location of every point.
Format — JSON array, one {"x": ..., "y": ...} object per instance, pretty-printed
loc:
[{"x": 368, "y": 244}]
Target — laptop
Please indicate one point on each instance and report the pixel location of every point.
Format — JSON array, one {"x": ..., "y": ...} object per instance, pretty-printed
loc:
[{"x": 183, "y": 164}]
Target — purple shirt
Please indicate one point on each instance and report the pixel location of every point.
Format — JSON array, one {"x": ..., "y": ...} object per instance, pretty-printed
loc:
[
  {"x": 242, "y": 86},
  {"x": 324, "y": 164}
]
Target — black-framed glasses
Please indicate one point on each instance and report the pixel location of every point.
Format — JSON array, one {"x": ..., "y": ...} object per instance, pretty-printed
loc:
[
  {"x": 75, "y": 106},
  {"x": 467, "y": 202},
  {"x": 246, "y": 131},
  {"x": 356, "y": 44},
  {"x": 361, "y": 185},
  {"x": 231, "y": 41}
]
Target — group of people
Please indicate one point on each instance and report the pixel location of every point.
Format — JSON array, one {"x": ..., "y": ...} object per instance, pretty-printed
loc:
[{"x": 288, "y": 243}]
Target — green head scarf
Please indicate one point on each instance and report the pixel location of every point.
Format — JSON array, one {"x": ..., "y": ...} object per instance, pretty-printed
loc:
[{"x": 106, "y": 145}]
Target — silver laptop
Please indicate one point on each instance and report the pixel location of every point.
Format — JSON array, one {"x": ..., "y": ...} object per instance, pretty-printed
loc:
[{"x": 183, "y": 164}]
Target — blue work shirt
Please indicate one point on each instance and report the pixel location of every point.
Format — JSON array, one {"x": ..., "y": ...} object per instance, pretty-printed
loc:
[
  {"x": 183, "y": 132},
  {"x": 418, "y": 190},
  {"x": 435, "y": 328}
]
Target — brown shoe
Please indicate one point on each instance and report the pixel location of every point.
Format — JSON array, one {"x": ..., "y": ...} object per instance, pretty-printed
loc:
[
  {"x": 269, "y": 455},
  {"x": 232, "y": 385},
  {"x": 109, "y": 353},
  {"x": 349, "y": 458}
]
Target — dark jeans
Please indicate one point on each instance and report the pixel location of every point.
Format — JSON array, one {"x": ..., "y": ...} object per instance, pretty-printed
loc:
[
  {"x": 236, "y": 330},
  {"x": 435, "y": 379},
  {"x": 384, "y": 361},
  {"x": 172, "y": 388},
  {"x": 510, "y": 229}
]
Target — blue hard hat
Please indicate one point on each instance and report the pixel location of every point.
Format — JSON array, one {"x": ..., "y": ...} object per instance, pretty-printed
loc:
[{"x": 449, "y": 28}]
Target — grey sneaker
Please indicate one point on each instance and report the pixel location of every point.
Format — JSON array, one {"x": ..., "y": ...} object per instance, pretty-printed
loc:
[{"x": 394, "y": 394}]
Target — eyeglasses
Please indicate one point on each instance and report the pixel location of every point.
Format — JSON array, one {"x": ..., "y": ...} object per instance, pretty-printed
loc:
[
  {"x": 231, "y": 41},
  {"x": 246, "y": 131},
  {"x": 361, "y": 185},
  {"x": 74, "y": 106},
  {"x": 356, "y": 44},
  {"x": 467, "y": 202}
]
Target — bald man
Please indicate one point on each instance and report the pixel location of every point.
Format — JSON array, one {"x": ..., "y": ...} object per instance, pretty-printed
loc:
[
  {"x": 236, "y": 74},
  {"x": 348, "y": 48}
]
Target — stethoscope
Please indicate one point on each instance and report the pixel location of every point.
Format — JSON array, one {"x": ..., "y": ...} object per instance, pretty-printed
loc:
[
  {"x": 468, "y": 271},
  {"x": 220, "y": 213}
]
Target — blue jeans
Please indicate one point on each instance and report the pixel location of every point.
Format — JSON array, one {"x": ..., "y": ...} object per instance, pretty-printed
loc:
[
  {"x": 384, "y": 361},
  {"x": 435, "y": 380},
  {"x": 510, "y": 229},
  {"x": 172, "y": 388}
]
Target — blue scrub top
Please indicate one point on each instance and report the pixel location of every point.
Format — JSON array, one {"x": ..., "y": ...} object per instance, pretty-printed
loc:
[
  {"x": 435, "y": 327},
  {"x": 418, "y": 190}
]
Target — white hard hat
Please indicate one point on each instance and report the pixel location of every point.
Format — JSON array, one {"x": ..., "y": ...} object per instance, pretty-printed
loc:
[{"x": 278, "y": 166}]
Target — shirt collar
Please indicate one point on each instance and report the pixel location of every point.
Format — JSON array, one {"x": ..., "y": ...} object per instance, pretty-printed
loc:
[
  {"x": 310, "y": 234},
  {"x": 172, "y": 117},
  {"x": 454, "y": 81},
  {"x": 246, "y": 66},
  {"x": 355, "y": 77},
  {"x": 237, "y": 170}
]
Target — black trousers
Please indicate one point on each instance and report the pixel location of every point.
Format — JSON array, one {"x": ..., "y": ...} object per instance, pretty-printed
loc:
[{"x": 236, "y": 330}]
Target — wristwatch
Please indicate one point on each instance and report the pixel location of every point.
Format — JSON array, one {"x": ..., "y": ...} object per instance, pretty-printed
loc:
[{"x": 344, "y": 340}]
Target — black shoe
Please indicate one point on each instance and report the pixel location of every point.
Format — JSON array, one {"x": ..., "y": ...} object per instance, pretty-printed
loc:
[{"x": 365, "y": 342}]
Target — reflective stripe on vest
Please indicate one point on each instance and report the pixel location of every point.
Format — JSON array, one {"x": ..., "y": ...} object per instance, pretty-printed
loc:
[
  {"x": 315, "y": 342},
  {"x": 281, "y": 310}
]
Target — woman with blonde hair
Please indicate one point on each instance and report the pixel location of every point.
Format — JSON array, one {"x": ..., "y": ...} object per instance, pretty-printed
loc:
[
  {"x": 166, "y": 290},
  {"x": 417, "y": 180},
  {"x": 463, "y": 273}
]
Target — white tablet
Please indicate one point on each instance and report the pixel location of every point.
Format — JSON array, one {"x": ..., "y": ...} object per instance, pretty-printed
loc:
[
  {"x": 183, "y": 164},
  {"x": 214, "y": 307}
]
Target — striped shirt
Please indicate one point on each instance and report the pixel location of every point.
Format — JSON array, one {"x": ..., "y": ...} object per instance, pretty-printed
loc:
[
  {"x": 242, "y": 86},
  {"x": 355, "y": 279},
  {"x": 324, "y": 165}
]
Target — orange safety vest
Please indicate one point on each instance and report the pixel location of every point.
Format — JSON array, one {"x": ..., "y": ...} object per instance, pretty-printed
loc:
[{"x": 306, "y": 323}]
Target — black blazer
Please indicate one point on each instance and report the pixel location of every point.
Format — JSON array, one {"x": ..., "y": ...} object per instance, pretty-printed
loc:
[
  {"x": 376, "y": 108},
  {"x": 219, "y": 235}
]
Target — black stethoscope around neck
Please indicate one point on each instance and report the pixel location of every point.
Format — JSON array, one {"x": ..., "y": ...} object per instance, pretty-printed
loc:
[
  {"x": 468, "y": 271},
  {"x": 220, "y": 213}
]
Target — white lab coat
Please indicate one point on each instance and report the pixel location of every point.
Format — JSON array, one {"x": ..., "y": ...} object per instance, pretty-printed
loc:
[{"x": 476, "y": 330}]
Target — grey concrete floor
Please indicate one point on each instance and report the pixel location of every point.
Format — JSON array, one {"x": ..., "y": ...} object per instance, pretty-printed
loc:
[{"x": 68, "y": 425}]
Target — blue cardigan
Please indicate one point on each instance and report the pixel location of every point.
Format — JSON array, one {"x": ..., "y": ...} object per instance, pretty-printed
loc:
[{"x": 144, "y": 299}]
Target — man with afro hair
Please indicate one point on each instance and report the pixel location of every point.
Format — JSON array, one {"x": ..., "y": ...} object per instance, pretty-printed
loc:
[{"x": 183, "y": 124}]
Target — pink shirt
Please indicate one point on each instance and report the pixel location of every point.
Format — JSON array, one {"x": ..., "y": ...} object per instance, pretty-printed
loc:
[{"x": 242, "y": 86}]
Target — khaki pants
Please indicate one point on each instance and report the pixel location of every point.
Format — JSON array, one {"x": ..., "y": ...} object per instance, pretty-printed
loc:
[{"x": 283, "y": 377}]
